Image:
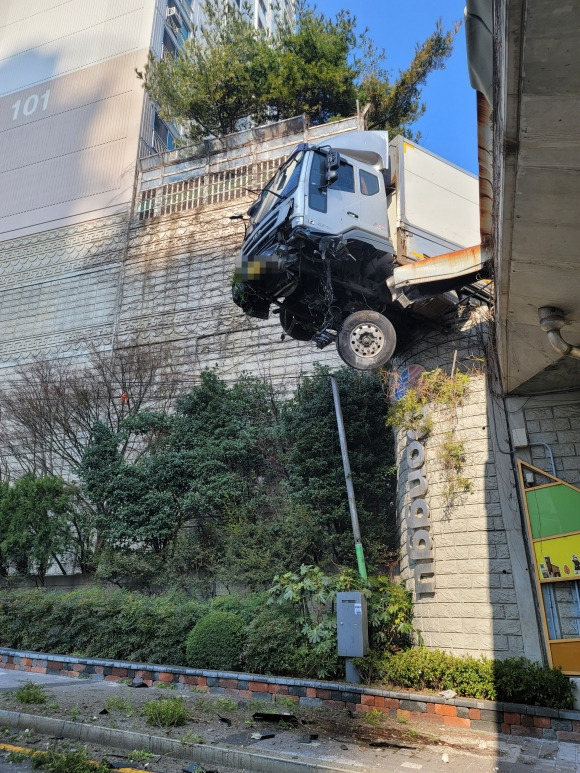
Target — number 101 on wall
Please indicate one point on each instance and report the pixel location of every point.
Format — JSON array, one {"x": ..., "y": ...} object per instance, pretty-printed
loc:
[{"x": 30, "y": 105}]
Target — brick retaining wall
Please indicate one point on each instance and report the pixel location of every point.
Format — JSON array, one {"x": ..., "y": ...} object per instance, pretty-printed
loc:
[{"x": 478, "y": 715}]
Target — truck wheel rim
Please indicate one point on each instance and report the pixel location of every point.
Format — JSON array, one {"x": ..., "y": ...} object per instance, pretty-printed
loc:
[{"x": 367, "y": 340}]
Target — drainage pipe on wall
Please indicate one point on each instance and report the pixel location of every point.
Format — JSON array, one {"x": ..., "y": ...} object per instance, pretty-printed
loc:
[{"x": 551, "y": 322}]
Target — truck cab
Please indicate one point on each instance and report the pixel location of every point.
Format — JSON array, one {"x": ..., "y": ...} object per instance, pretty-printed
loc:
[{"x": 318, "y": 249}]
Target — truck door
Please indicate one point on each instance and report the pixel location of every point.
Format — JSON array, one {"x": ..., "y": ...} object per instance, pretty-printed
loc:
[
  {"x": 373, "y": 202},
  {"x": 333, "y": 208},
  {"x": 343, "y": 197}
]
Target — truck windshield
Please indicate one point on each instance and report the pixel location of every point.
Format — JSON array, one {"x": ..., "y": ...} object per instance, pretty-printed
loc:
[{"x": 284, "y": 182}]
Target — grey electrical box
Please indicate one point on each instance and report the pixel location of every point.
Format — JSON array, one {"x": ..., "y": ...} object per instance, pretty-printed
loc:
[{"x": 352, "y": 624}]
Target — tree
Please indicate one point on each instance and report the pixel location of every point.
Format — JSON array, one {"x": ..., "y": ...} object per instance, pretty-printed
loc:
[
  {"x": 49, "y": 411},
  {"x": 314, "y": 463},
  {"x": 241, "y": 484},
  {"x": 198, "y": 476},
  {"x": 35, "y": 530},
  {"x": 229, "y": 71},
  {"x": 219, "y": 77}
]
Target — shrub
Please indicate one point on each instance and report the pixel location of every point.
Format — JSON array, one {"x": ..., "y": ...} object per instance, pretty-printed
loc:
[
  {"x": 515, "y": 680},
  {"x": 166, "y": 712},
  {"x": 520, "y": 681},
  {"x": 30, "y": 693},
  {"x": 246, "y": 607},
  {"x": 272, "y": 640},
  {"x": 216, "y": 642},
  {"x": 99, "y": 623}
]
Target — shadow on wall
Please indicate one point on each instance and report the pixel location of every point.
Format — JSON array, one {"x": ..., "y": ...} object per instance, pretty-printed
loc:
[
  {"x": 66, "y": 141},
  {"x": 469, "y": 569}
]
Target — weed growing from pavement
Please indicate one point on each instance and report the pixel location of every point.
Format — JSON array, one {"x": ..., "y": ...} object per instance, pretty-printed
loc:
[
  {"x": 75, "y": 713},
  {"x": 165, "y": 686},
  {"x": 140, "y": 755},
  {"x": 284, "y": 700},
  {"x": 373, "y": 717},
  {"x": 225, "y": 704},
  {"x": 191, "y": 737},
  {"x": 166, "y": 712},
  {"x": 63, "y": 761},
  {"x": 117, "y": 703},
  {"x": 30, "y": 693}
]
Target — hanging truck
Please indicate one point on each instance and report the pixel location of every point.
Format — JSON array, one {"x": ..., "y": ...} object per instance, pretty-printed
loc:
[{"x": 354, "y": 240}]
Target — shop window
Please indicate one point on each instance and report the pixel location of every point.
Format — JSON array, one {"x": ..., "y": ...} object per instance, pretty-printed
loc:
[{"x": 553, "y": 517}]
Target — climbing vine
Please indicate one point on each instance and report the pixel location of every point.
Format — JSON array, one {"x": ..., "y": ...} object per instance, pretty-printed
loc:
[{"x": 410, "y": 412}]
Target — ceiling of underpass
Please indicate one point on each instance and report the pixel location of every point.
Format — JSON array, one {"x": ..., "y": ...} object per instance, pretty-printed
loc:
[{"x": 539, "y": 200}]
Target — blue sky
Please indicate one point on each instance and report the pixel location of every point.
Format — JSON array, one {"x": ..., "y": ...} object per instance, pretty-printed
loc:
[{"x": 449, "y": 126}]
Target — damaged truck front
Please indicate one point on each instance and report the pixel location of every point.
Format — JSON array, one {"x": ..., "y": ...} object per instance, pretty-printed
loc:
[{"x": 319, "y": 247}]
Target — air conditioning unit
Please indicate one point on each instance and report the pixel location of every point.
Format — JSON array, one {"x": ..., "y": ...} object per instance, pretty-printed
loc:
[{"x": 172, "y": 11}]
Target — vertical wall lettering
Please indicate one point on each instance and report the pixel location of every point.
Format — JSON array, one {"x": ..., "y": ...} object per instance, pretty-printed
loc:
[{"x": 420, "y": 545}]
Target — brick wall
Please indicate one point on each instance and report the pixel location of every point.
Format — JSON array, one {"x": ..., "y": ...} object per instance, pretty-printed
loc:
[
  {"x": 558, "y": 426},
  {"x": 477, "y": 715}
]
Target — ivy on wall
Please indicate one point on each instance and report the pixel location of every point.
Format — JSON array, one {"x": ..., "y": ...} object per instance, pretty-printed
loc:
[{"x": 440, "y": 390}]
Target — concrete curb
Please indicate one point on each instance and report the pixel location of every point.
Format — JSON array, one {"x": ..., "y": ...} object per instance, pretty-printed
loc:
[{"x": 224, "y": 756}]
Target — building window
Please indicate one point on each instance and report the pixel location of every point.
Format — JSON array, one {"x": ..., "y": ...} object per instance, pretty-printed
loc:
[
  {"x": 162, "y": 136},
  {"x": 169, "y": 46}
]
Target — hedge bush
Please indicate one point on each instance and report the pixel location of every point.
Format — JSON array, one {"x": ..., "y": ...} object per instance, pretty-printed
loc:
[
  {"x": 217, "y": 641},
  {"x": 99, "y": 623},
  {"x": 515, "y": 680},
  {"x": 273, "y": 639}
]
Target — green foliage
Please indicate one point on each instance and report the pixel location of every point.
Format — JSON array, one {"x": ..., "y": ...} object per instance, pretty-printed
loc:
[
  {"x": 30, "y": 692},
  {"x": 241, "y": 481},
  {"x": 56, "y": 760},
  {"x": 311, "y": 594},
  {"x": 520, "y": 681},
  {"x": 34, "y": 523},
  {"x": 216, "y": 642},
  {"x": 124, "y": 568},
  {"x": 140, "y": 755},
  {"x": 395, "y": 105},
  {"x": 514, "y": 680},
  {"x": 452, "y": 456},
  {"x": 166, "y": 712},
  {"x": 316, "y": 65},
  {"x": 98, "y": 623},
  {"x": 225, "y": 704},
  {"x": 272, "y": 641},
  {"x": 118, "y": 703},
  {"x": 434, "y": 387},
  {"x": 315, "y": 472}
]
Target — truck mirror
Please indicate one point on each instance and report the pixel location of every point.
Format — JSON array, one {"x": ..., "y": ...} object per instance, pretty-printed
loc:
[
  {"x": 252, "y": 210},
  {"x": 332, "y": 166}
]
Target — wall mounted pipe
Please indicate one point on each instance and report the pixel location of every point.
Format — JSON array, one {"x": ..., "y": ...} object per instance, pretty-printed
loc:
[{"x": 551, "y": 322}]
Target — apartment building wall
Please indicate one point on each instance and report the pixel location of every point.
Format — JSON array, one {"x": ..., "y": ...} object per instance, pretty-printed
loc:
[{"x": 70, "y": 110}]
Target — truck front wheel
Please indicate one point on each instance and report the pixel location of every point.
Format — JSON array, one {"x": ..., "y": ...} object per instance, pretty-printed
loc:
[{"x": 366, "y": 340}]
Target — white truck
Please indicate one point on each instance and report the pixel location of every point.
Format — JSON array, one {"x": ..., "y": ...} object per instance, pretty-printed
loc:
[{"x": 354, "y": 238}]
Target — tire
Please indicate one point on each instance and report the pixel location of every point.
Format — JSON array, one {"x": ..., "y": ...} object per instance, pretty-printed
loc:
[
  {"x": 293, "y": 328},
  {"x": 366, "y": 340}
]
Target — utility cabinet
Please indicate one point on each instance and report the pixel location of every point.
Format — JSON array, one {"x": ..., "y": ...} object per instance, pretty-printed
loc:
[{"x": 352, "y": 624}]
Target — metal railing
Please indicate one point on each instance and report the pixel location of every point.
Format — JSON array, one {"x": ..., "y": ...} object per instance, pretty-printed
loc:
[{"x": 206, "y": 188}]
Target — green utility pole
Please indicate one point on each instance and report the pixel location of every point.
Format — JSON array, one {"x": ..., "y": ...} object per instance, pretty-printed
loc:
[{"x": 362, "y": 570}]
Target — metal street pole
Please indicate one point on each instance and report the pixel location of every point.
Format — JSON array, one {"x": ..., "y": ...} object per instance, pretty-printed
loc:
[{"x": 362, "y": 570}]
